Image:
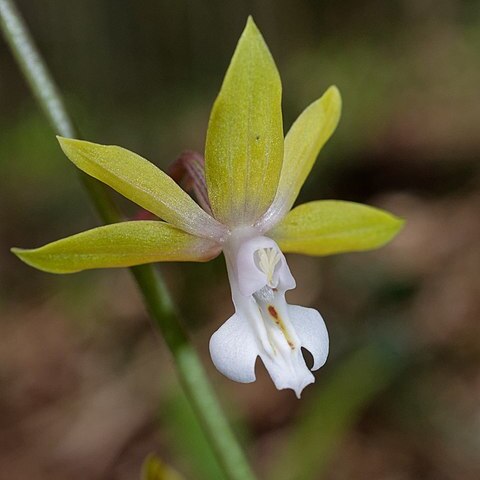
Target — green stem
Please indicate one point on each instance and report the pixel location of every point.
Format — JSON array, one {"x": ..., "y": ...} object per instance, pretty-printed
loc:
[
  {"x": 192, "y": 376},
  {"x": 157, "y": 299}
]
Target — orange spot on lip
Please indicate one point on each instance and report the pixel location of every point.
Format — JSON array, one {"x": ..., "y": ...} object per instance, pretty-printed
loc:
[{"x": 273, "y": 312}]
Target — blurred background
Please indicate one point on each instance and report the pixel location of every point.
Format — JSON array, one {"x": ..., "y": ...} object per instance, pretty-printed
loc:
[{"x": 87, "y": 388}]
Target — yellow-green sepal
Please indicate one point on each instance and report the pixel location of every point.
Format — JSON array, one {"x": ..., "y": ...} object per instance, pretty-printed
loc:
[
  {"x": 119, "y": 245},
  {"x": 303, "y": 143},
  {"x": 244, "y": 146},
  {"x": 142, "y": 182},
  {"x": 327, "y": 227},
  {"x": 154, "y": 468}
]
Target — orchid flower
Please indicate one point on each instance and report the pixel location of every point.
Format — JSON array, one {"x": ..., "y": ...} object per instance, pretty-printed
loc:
[{"x": 253, "y": 177}]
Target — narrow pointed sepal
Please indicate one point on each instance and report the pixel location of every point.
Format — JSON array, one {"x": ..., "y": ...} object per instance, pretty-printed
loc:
[
  {"x": 327, "y": 227},
  {"x": 119, "y": 245},
  {"x": 244, "y": 146},
  {"x": 143, "y": 183},
  {"x": 303, "y": 143}
]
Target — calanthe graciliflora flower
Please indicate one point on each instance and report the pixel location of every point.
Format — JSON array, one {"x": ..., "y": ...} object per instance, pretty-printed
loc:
[{"x": 253, "y": 176}]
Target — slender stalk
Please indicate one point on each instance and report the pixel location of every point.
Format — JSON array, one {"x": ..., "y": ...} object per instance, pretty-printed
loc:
[
  {"x": 192, "y": 376},
  {"x": 157, "y": 298}
]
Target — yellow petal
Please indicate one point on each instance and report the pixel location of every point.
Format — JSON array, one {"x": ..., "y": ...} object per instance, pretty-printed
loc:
[
  {"x": 142, "y": 182},
  {"x": 244, "y": 147},
  {"x": 326, "y": 227},
  {"x": 119, "y": 245},
  {"x": 303, "y": 143}
]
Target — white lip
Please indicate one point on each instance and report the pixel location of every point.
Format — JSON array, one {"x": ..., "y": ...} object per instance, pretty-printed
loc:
[{"x": 264, "y": 325}]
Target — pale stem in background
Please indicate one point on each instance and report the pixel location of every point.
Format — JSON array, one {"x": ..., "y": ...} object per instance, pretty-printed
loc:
[{"x": 157, "y": 298}]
